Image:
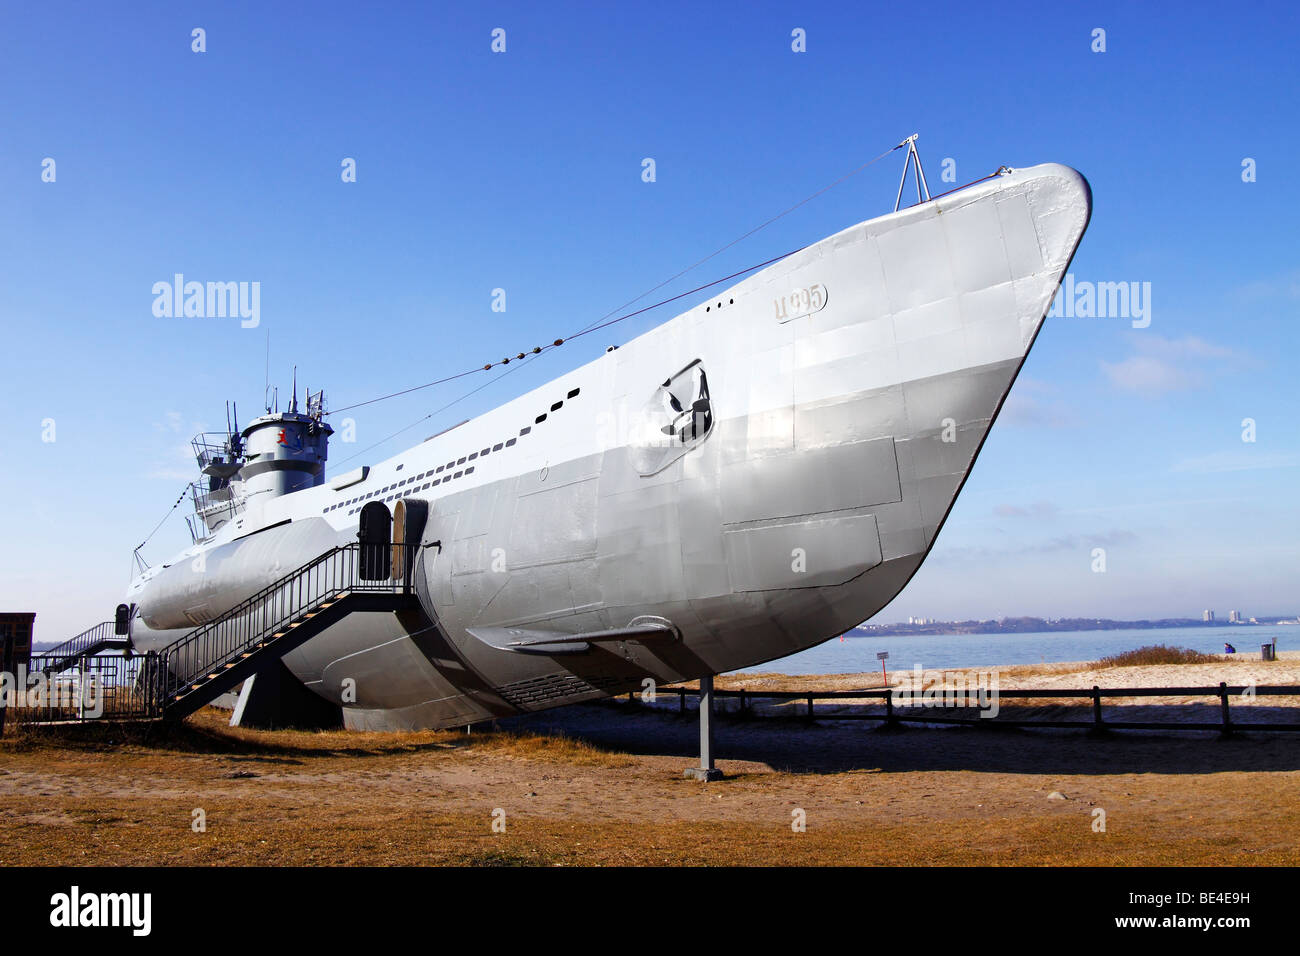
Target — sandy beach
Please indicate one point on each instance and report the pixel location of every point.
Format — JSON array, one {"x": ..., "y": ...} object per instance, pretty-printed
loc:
[{"x": 1246, "y": 670}]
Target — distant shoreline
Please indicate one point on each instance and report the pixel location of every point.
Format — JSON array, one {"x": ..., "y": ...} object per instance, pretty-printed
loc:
[
  {"x": 1009, "y": 625},
  {"x": 1038, "y": 625}
]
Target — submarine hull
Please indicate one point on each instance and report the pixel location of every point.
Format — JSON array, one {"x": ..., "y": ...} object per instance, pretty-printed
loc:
[{"x": 747, "y": 480}]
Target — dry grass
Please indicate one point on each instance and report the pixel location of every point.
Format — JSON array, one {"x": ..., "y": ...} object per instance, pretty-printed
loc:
[
  {"x": 557, "y": 748},
  {"x": 242, "y": 834},
  {"x": 209, "y": 733},
  {"x": 1157, "y": 654},
  {"x": 603, "y": 786}
]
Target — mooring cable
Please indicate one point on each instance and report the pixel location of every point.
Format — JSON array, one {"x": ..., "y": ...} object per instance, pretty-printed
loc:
[{"x": 601, "y": 323}]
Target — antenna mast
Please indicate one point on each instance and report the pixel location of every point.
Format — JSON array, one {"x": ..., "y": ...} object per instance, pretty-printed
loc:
[
  {"x": 266, "y": 389},
  {"x": 921, "y": 184}
]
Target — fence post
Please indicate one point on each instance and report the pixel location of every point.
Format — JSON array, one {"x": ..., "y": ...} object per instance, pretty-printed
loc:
[
  {"x": 890, "y": 719},
  {"x": 1097, "y": 724},
  {"x": 1223, "y": 702},
  {"x": 681, "y": 691},
  {"x": 743, "y": 705},
  {"x": 810, "y": 707},
  {"x": 7, "y": 651}
]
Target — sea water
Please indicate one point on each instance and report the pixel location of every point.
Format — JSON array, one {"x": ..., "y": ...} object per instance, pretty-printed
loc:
[{"x": 857, "y": 651}]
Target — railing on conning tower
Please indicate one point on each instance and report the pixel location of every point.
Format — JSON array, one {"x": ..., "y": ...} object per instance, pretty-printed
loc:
[
  {"x": 219, "y": 456},
  {"x": 217, "y": 450},
  {"x": 212, "y": 502}
]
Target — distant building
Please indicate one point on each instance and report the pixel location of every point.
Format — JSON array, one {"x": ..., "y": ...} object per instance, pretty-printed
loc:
[
  {"x": 1234, "y": 617},
  {"x": 1207, "y": 617},
  {"x": 15, "y": 639}
]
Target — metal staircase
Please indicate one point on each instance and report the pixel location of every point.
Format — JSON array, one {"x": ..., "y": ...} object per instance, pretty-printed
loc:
[
  {"x": 101, "y": 637},
  {"x": 192, "y": 671}
]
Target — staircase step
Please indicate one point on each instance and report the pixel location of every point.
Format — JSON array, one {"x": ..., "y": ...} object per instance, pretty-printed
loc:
[{"x": 254, "y": 643}]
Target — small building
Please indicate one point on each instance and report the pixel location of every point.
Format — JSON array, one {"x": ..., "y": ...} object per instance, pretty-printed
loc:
[{"x": 15, "y": 639}]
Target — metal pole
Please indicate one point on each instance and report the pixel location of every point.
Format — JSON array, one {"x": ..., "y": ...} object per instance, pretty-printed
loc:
[
  {"x": 706, "y": 770},
  {"x": 706, "y": 723},
  {"x": 917, "y": 157},
  {"x": 903, "y": 182},
  {"x": 6, "y": 665},
  {"x": 920, "y": 172}
]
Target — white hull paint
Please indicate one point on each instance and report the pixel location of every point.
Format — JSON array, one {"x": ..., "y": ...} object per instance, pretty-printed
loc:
[{"x": 849, "y": 388}]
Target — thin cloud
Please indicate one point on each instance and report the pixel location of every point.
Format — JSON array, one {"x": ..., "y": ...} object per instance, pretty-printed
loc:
[
  {"x": 1244, "y": 459},
  {"x": 1083, "y": 542},
  {"x": 1033, "y": 403},
  {"x": 1160, "y": 365},
  {"x": 1071, "y": 542},
  {"x": 1039, "y": 509},
  {"x": 1142, "y": 373},
  {"x": 1284, "y": 286}
]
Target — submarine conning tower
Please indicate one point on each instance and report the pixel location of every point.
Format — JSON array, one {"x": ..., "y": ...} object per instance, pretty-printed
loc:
[{"x": 285, "y": 452}]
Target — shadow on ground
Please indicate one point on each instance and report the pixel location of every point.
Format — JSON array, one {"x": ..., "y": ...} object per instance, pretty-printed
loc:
[
  {"x": 208, "y": 733},
  {"x": 791, "y": 745},
  {"x": 796, "y": 746}
]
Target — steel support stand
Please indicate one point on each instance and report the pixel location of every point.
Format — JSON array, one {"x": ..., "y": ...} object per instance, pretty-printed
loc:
[{"x": 706, "y": 770}]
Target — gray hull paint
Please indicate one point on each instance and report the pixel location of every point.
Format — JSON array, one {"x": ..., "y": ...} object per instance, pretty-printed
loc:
[{"x": 840, "y": 440}]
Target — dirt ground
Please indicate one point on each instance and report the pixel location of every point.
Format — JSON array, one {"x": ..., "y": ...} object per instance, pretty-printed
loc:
[{"x": 602, "y": 784}]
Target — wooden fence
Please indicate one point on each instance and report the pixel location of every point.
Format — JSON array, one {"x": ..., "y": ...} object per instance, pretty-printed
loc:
[{"x": 912, "y": 705}]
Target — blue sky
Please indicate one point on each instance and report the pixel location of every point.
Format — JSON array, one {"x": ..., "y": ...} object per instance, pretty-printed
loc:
[{"x": 522, "y": 171}]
